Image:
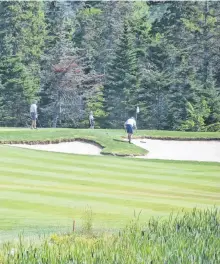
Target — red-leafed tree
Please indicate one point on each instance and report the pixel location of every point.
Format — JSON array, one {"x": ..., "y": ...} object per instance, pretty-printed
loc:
[{"x": 69, "y": 80}]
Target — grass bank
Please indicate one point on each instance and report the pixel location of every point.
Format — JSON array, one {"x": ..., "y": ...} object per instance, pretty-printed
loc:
[
  {"x": 111, "y": 140},
  {"x": 177, "y": 135},
  {"x": 190, "y": 238}
]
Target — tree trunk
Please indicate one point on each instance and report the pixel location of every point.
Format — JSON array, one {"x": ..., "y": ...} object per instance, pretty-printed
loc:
[{"x": 56, "y": 110}]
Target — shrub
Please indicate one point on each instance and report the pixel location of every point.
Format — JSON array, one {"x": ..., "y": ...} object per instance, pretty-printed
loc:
[
  {"x": 213, "y": 127},
  {"x": 190, "y": 237}
]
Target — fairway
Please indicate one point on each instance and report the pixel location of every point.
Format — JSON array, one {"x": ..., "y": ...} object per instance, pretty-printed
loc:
[{"x": 42, "y": 192}]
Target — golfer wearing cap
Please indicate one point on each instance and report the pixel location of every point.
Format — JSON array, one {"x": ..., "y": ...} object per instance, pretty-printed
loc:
[{"x": 129, "y": 125}]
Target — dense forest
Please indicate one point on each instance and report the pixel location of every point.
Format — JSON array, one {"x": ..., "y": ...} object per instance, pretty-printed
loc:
[{"x": 109, "y": 57}]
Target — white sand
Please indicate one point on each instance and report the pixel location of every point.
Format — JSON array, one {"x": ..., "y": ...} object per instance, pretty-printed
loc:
[
  {"x": 158, "y": 149},
  {"x": 75, "y": 147},
  {"x": 180, "y": 150}
]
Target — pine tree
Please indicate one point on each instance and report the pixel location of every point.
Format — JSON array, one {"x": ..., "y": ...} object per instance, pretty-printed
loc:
[
  {"x": 1, "y": 103},
  {"x": 202, "y": 25},
  {"x": 121, "y": 81},
  {"x": 182, "y": 82},
  {"x": 151, "y": 91},
  {"x": 21, "y": 42}
]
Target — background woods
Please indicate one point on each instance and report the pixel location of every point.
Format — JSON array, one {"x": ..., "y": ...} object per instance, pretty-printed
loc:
[{"x": 109, "y": 58}]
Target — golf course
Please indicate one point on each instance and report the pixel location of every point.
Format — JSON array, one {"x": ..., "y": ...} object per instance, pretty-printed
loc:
[{"x": 44, "y": 192}]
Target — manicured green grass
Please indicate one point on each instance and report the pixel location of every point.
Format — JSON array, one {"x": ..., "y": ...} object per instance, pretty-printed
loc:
[
  {"x": 178, "y": 134},
  {"x": 111, "y": 140},
  {"x": 43, "y": 192}
]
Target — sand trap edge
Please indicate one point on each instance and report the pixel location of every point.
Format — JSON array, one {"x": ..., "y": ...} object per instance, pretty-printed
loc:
[
  {"x": 176, "y": 138},
  {"x": 51, "y": 141},
  {"x": 66, "y": 140}
]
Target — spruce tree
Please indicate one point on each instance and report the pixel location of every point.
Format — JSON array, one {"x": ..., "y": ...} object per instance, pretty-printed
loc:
[
  {"x": 121, "y": 81},
  {"x": 21, "y": 42}
]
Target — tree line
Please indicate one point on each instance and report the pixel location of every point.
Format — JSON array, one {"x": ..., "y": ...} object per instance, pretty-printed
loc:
[{"x": 110, "y": 57}]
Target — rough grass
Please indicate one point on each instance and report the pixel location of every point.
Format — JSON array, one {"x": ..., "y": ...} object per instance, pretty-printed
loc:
[
  {"x": 186, "y": 238},
  {"x": 42, "y": 192}
]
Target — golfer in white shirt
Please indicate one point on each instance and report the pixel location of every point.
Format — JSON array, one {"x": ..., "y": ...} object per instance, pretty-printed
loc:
[
  {"x": 129, "y": 125},
  {"x": 91, "y": 120},
  {"x": 33, "y": 113}
]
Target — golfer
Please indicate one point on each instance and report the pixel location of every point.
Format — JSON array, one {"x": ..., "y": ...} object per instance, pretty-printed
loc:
[
  {"x": 91, "y": 120},
  {"x": 33, "y": 113},
  {"x": 129, "y": 125}
]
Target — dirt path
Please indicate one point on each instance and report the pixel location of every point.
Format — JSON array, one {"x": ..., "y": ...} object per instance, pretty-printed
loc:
[{"x": 180, "y": 150}]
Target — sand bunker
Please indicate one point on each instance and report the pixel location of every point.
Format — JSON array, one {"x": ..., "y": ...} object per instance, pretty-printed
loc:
[
  {"x": 75, "y": 147},
  {"x": 158, "y": 149},
  {"x": 180, "y": 150}
]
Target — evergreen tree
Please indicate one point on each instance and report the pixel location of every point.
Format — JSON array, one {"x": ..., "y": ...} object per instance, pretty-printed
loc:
[
  {"x": 121, "y": 81},
  {"x": 21, "y": 42},
  {"x": 151, "y": 92},
  {"x": 161, "y": 56},
  {"x": 201, "y": 22},
  {"x": 1, "y": 104},
  {"x": 182, "y": 84},
  {"x": 66, "y": 84}
]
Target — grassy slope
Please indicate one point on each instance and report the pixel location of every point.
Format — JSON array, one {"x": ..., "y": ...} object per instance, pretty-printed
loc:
[
  {"x": 44, "y": 191},
  {"x": 111, "y": 140}
]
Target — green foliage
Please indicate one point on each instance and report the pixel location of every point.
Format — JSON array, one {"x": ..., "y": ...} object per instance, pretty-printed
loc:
[
  {"x": 155, "y": 55},
  {"x": 196, "y": 116},
  {"x": 87, "y": 221},
  {"x": 95, "y": 103},
  {"x": 213, "y": 127},
  {"x": 186, "y": 238},
  {"x": 121, "y": 82},
  {"x": 92, "y": 11},
  {"x": 22, "y": 41}
]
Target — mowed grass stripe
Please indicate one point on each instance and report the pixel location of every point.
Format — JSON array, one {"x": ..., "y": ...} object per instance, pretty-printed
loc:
[
  {"x": 117, "y": 163},
  {"x": 67, "y": 208},
  {"x": 112, "y": 198},
  {"x": 129, "y": 193},
  {"x": 77, "y": 201},
  {"x": 100, "y": 180},
  {"x": 120, "y": 173},
  {"x": 58, "y": 212},
  {"x": 97, "y": 180},
  {"x": 59, "y": 186},
  {"x": 79, "y": 184},
  {"x": 42, "y": 157}
]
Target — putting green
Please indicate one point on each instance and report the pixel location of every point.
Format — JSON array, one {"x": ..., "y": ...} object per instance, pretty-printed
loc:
[{"x": 42, "y": 191}]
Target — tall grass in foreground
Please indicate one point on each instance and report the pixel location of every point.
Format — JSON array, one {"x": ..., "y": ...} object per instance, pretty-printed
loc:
[{"x": 192, "y": 237}]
